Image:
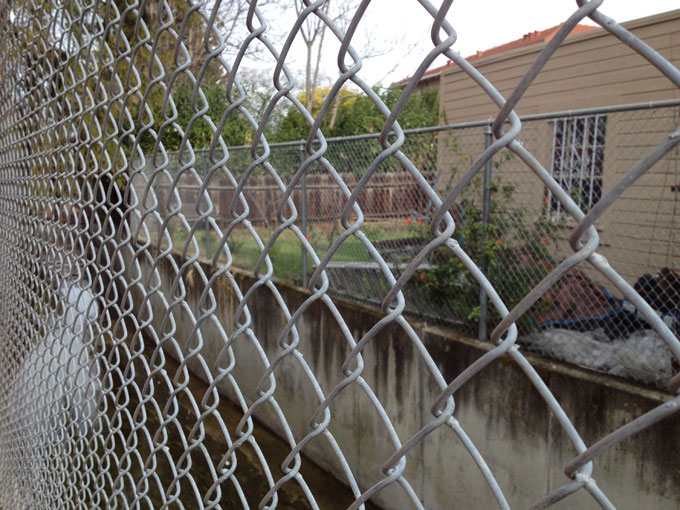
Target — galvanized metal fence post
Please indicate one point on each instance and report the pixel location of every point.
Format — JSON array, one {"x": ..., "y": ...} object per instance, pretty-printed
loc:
[
  {"x": 303, "y": 216},
  {"x": 486, "y": 206},
  {"x": 207, "y": 222}
]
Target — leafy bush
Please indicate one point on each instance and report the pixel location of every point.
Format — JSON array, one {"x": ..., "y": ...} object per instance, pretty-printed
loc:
[{"x": 514, "y": 251}]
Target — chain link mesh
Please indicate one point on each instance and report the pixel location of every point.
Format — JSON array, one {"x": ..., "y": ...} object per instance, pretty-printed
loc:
[
  {"x": 115, "y": 395},
  {"x": 516, "y": 232}
]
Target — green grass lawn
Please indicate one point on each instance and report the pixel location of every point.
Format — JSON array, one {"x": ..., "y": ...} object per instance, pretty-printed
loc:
[{"x": 286, "y": 253}]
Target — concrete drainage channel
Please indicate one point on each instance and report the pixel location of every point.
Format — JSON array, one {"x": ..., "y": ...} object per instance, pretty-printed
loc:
[
  {"x": 507, "y": 418},
  {"x": 329, "y": 492}
]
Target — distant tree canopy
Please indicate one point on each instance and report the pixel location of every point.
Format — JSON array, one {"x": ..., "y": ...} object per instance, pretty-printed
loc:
[
  {"x": 236, "y": 130},
  {"x": 354, "y": 114},
  {"x": 127, "y": 113}
]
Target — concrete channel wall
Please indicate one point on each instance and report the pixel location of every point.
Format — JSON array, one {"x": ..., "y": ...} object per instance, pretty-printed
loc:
[{"x": 499, "y": 409}]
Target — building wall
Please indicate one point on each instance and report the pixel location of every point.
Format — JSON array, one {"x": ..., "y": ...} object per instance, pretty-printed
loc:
[
  {"x": 590, "y": 69},
  {"x": 593, "y": 69},
  {"x": 427, "y": 82},
  {"x": 640, "y": 232}
]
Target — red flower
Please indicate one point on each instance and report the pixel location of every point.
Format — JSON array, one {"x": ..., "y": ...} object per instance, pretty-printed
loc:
[
  {"x": 308, "y": 238},
  {"x": 423, "y": 277},
  {"x": 546, "y": 240},
  {"x": 499, "y": 241},
  {"x": 408, "y": 221},
  {"x": 420, "y": 219}
]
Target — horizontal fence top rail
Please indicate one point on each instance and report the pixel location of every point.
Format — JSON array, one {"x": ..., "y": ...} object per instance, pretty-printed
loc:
[{"x": 650, "y": 105}]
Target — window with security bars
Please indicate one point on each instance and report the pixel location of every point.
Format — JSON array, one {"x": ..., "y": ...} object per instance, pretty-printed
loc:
[{"x": 578, "y": 159}]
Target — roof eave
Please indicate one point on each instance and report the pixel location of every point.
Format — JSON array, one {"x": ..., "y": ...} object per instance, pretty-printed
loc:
[{"x": 571, "y": 39}]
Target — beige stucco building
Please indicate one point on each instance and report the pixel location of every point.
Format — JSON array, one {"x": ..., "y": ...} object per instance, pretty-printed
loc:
[{"x": 590, "y": 152}]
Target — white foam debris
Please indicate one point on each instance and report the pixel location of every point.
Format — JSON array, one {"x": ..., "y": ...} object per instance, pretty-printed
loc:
[{"x": 643, "y": 356}]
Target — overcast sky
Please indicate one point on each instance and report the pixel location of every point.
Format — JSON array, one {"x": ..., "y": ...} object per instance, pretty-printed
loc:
[{"x": 480, "y": 24}]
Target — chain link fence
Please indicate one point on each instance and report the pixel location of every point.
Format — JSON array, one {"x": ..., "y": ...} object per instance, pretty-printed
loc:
[
  {"x": 515, "y": 231},
  {"x": 141, "y": 368}
]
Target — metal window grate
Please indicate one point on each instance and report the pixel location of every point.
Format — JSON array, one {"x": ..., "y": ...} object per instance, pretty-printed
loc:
[{"x": 578, "y": 159}]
